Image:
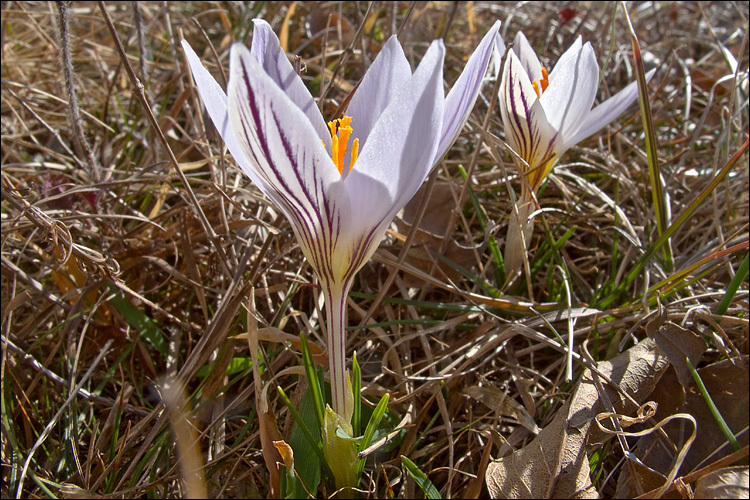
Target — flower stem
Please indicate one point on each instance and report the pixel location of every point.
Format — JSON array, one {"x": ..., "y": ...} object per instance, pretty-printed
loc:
[
  {"x": 520, "y": 230},
  {"x": 336, "y": 316}
]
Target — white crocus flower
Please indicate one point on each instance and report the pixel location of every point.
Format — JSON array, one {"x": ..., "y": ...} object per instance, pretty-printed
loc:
[
  {"x": 543, "y": 116},
  {"x": 339, "y": 198}
]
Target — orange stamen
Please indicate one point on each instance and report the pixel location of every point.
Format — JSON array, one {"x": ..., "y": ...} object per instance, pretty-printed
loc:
[
  {"x": 340, "y": 131},
  {"x": 541, "y": 85},
  {"x": 355, "y": 153},
  {"x": 536, "y": 88},
  {"x": 345, "y": 131},
  {"x": 545, "y": 80}
]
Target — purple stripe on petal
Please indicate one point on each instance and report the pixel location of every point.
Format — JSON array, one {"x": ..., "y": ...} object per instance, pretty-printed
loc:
[{"x": 308, "y": 224}]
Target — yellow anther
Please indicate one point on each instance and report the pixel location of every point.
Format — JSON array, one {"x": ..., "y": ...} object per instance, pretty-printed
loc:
[
  {"x": 340, "y": 131},
  {"x": 355, "y": 153},
  {"x": 541, "y": 85},
  {"x": 545, "y": 80}
]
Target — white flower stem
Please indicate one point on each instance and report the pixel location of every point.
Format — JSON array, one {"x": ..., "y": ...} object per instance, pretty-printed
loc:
[
  {"x": 520, "y": 229},
  {"x": 335, "y": 296}
]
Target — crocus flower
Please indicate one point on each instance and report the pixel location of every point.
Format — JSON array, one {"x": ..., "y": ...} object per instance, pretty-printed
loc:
[
  {"x": 543, "y": 116},
  {"x": 340, "y": 184}
]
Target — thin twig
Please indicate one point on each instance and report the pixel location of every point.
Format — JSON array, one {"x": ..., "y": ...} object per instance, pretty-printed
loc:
[{"x": 74, "y": 114}]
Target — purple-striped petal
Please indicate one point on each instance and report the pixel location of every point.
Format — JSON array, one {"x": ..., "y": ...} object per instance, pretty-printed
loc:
[
  {"x": 461, "y": 98},
  {"x": 289, "y": 157},
  {"x": 527, "y": 129},
  {"x": 266, "y": 49},
  {"x": 215, "y": 101},
  {"x": 527, "y": 56}
]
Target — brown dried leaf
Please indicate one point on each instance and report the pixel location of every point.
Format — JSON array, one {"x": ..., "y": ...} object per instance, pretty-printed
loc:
[
  {"x": 640, "y": 479},
  {"x": 430, "y": 235},
  {"x": 498, "y": 400},
  {"x": 730, "y": 482},
  {"x": 287, "y": 453},
  {"x": 436, "y": 216},
  {"x": 268, "y": 431},
  {"x": 555, "y": 463},
  {"x": 678, "y": 343},
  {"x": 727, "y": 384}
]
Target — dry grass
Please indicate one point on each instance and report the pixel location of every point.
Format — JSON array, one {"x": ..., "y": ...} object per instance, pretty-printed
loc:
[{"x": 118, "y": 271}]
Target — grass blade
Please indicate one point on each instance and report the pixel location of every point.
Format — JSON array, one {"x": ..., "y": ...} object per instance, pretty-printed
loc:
[
  {"x": 372, "y": 426},
  {"x": 661, "y": 207},
  {"x": 497, "y": 255},
  {"x": 684, "y": 216},
  {"x": 145, "y": 326},
  {"x": 741, "y": 276},
  {"x": 422, "y": 481},
  {"x": 712, "y": 407}
]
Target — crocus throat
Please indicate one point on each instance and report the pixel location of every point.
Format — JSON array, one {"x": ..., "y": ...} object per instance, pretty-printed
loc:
[
  {"x": 340, "y": 131},
  {"x": 543, "y": 83}
]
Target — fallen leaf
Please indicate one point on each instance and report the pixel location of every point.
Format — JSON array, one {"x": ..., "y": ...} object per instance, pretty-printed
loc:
[
  {"x": 287, "y": 454},
  {"x": 497, "y": 400},
  {"x": 437, "y": 213},
  {"x": 727, "y": 384},
  {"x": 555, "y": 463},
  {"x": 428, "y": 240},
  {"x": 730, "y": 482},
  {"x": 678, "y": 343}
]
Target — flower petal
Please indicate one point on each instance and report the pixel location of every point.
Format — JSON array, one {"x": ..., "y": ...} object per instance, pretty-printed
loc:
[
  {"x": 211, "y": 93},
  {"x": 527, "y": 130},
  {"x": 607, "y": 111},
  {"x": 461, "y": 98},
  {"x": 527, "y": 55},
  {"x": 215, "y": 101},
  {"x": 398, "y": 155},
  {"x": 388, "y": 73},
  {"x": 572, "y": 89},
  {"x": 567, "y": 59},
  {"x": 266, "y": 49},
  {"x": 276, "y": 137}
]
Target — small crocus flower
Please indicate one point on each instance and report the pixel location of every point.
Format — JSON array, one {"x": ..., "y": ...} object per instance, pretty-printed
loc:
[
  {"x": 544, "y": 114},
  {"x": 340, "y": 184}
]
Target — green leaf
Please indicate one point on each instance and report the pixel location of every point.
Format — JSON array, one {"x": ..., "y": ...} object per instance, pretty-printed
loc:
[
  {"x": 372, "y": 425},
  {"x": 712, "y": 407},
  {"x": 660, "y": 200},
  {"x": 741, "y": 276},
  {"x": 307, "y": 462},
  {"x": 143, "y": 324},
  {"x": 356, "y": 389},
  {"x": 340, "y": 452},
  {"x": 314, "y": 443},
  {"x": 235, "y": 366},
  {"x": 427, "y": 487},
  {"x": 312, "y": 380}
]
